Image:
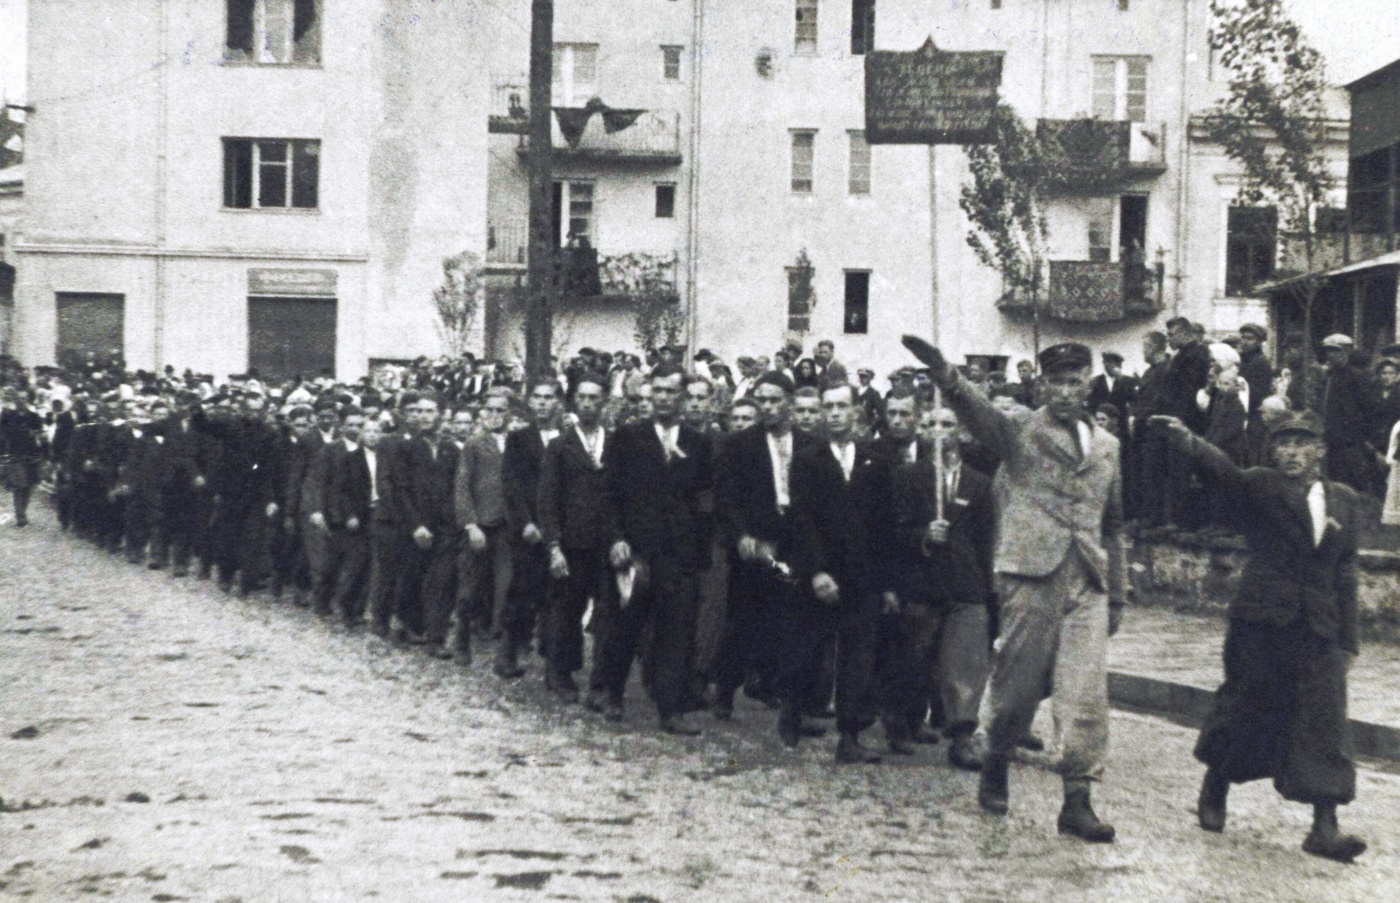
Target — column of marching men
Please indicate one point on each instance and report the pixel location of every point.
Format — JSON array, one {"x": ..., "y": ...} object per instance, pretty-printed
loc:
[{"x": 829, "y": 552}]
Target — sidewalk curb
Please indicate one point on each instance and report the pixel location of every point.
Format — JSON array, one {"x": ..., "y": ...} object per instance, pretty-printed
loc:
[{"x": 1188, "y": 705}]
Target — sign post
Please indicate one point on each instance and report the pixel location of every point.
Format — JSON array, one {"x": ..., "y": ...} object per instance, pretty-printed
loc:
[{"x": 932, "y": 97}]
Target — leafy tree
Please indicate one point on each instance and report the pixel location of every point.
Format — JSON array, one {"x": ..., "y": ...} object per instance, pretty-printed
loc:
[
  {"x": 1011, "y": 177},
  {"x": 1273, "y": 123},
  {"x": 458, "y": 299}
]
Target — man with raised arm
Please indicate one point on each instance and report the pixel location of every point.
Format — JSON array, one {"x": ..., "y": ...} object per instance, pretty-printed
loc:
[
  {"x": 1060, "y": 569},
  {"x": 1282, "y": 711}
]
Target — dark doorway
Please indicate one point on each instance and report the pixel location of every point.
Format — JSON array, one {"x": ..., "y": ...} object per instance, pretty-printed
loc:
[
  {"x": 289, "y": 337},
  {"x": 1132, "y": 227}
]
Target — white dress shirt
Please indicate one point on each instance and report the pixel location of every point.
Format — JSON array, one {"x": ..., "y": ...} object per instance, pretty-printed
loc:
[
  {"x": 670, "y": 438},
  {"x": 780, "y": 451},
  {"x": 593, "y": 446},
  {"x": 845, "y": 453},
  {"x": 372, "y": 462},
  {"x": 1317, "y": 509}
]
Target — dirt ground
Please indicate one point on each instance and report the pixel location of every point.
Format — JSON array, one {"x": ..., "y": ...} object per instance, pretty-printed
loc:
[{"x": 161, "y": 741}]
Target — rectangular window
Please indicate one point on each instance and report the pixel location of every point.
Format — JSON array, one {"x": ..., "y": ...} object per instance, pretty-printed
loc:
[
  {"x": 1123, "y": 5},
  {"x": 271, "y": 173},
  {"x": 671, "y": 63},
  {"x": 862, "y": 26},
  {"x": 804, "y": 145},
  {"x": 856, "y": 320},
  {"x": 665, "y": 201},
  {"x": 1120, "y": 88},
  {"x": 859, "y": 182},
  {"x": 575, "y": 73},
  {"x": 996, "y": 4},
  {"x": 805, "y": 38},
  {"x": 1251, "y": 247},
  {"x": 575, "y": 208},
  {"x": 273, "y": 31},
  {"x": 800, "y": 299}
]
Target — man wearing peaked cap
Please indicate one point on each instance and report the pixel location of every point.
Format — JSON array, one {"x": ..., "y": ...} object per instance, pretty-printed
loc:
[
  {"x": 1112, "y": 387},
  {"x": 1281, "y": 712},
  {"x": 1347, "y": 408},
  {"x": 1060, "y": 563}
]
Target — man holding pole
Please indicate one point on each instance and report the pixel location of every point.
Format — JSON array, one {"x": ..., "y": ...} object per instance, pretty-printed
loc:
[{"x": 1060, "y": 572}]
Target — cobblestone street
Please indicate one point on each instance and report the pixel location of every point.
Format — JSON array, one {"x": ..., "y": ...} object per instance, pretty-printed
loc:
[{"x": 161, "y": 741}]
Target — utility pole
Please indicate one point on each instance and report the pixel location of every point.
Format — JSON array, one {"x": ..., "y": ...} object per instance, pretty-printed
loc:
[{"x": 541, "y": 274}]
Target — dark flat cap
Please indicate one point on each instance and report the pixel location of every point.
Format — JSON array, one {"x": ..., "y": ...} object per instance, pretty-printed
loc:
[
  {"x": 1390, "y": 351},
  {"x": 1256, "y": 330},
  {"x": 1066, "y": 356},
  {"x": 1112, "y": 356},
  {"x": 1305, "y": 422},
  {"x": 776, "y": 378}
]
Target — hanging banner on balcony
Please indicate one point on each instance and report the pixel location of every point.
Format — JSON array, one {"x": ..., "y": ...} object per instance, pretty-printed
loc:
[{"x": 930, "y": 96}]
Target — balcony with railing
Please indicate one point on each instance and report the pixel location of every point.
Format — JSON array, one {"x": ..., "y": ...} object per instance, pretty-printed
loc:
[
  {"x": 1101, "y": 155},
  {"x": 1091, "y": 291}
]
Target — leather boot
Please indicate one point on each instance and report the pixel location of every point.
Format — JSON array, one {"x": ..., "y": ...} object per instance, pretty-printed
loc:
[
  {"x": 1326, "y": 839},
  {"x": 849, "y": 751},
  {"x": 1078, "y": 819},
  {"x": 1210, "y": 808},
  {"x": 993, "y": 791},
  {"x": 790, "y": 726},
  {"x": 507, "y": 663}
]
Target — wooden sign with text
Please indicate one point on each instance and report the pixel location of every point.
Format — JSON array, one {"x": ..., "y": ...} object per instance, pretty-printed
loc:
[{"x": 931, "y": 96}]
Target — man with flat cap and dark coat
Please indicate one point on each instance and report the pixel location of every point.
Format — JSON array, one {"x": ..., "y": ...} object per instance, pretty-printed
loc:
[
  {"x": 1060, "y": 566},
  {"x": 1112, "y": 387},
  {"x": 1282, "y": 711}
]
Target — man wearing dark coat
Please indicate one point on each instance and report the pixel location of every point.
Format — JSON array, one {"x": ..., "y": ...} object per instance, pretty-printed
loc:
[
  {"x": 1346, "y": 411},
  {"x": 1112, "y": 387},
  {"x": 1258, "y": 372},
  {"x": 660, "y": 481},
  {"x": 20, "y": 430},
  {"x": 1281, "y": 712}
]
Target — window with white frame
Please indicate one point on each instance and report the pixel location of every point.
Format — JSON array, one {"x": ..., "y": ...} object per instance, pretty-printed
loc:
[
  {"x": 272, "y": 173},
  {"x": 671, "y": 62},
  {"x": 273, "y": 31},
  {"x": 1120, "y": 88},
  {"x": 804, "y": 149},
  {"x": 575, "y": 73},
  {"x": 577, "y": 205},
  {"x": 805, "y": 38},
  {"x": 859, "y": 180}
]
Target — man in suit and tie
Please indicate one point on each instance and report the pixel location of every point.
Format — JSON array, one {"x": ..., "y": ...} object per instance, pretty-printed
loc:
[
  {"x": 1061, "y": 566},
  {"x": 1281, "y": 712},
  {"x": 573, "y": 518},
  {"x": 520, "y": 476},
  {"x": 348, "y": 496},
  {"x": 439, "y": 590},
  {"x": 659, "y": 475},
  {"x": 479, "y": 499},
  {"x": 410, "y": 502},
  {"x": 753, "y": 497},
  {"x": 830, "y": 598},
  {"x": 190, "y": 455},
  {"x": 1112, "y": 387},
  {"x": 290, "y": 567},
  {"x": 943, "y": 601},
  {"x": 314, "y": 539}
]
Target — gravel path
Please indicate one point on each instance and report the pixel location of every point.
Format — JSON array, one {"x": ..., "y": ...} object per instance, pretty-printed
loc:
[{"x": 161, "y": 741}]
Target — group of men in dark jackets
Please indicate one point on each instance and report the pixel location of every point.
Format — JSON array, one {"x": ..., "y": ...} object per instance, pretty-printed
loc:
[{"x": 875, "y": 572}]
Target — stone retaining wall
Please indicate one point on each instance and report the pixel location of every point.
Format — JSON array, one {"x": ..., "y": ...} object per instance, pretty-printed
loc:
[{"x": 1203, "y": 575}]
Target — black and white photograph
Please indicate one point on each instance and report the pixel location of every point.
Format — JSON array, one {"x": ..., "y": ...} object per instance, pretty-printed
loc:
[{"x": 729, "y": 451}]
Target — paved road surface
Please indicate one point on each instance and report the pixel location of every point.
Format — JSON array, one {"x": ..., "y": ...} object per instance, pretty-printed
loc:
[{"x": 160, "y": 741}]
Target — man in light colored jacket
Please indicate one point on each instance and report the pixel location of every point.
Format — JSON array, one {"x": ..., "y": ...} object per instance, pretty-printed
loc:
[{"x": 1060, "y": 573}]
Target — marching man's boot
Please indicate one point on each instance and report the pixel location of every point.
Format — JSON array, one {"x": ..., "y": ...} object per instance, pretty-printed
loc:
[
  {"x": 1077, "y": 816},
  {"x": 1210, "y": 808},
  {"x": 1326, "y": 839},
  {"x": 993, "y": 792}
]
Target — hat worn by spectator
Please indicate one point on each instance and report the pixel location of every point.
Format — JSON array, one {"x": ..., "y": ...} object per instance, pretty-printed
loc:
[
  {"x": 1337, "y": 340},
  {"x": 776, "y": 378},
  {"x": 1255, "y": 330},
  {"x": 1298, "y": 422},
  {"x": 1112, "y": 357},
  {"x": 1065, "y": 356}
]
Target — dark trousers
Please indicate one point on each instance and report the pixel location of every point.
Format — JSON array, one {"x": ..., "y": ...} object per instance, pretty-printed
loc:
[
  {"x": 289, "y": 565},
  {"x": 1282, "y": 713},
  {"x": 241, "y": 540},
  {"x": 416, "y": 574},
  {"x": 183, "y": 517},
  {"x": 667, "y": 605},
  {"x": 857, "y": 636},
  {"x": 384, "y": 546},
  {"x": 529, "y": 582},
  {"x": 439, "y": 588},
  {"x": 934, "y": 654},
  {"x": 314, "y": 560},
  {"x": 804, "y": 628},
  {"x": 483, "y": 580},
  {"x": 20, "y": 497},
  {"x": 138, "y": 522},
  {"x": 568, "y": 600},
  {"x": 746, "y": 646},
  {"x": 348, "y": 571}
]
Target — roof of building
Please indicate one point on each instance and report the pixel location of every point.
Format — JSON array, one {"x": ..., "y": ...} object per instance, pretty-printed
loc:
[
  {"x": 1388, "y": 259},
  {"x": 1372, "y": 78}
]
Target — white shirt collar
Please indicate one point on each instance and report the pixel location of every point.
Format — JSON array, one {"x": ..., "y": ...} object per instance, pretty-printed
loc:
[{"x": 1317, "y": 510}]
